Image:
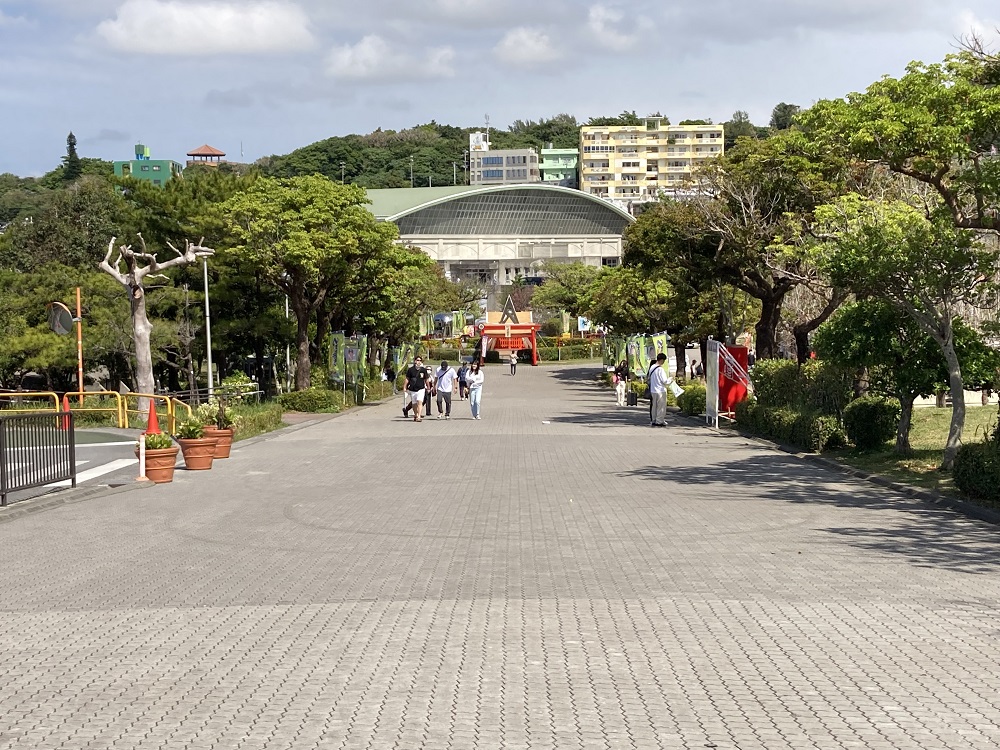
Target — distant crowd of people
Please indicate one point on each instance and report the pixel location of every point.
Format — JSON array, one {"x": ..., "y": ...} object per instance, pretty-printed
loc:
[{"x": 423, "y": 385}]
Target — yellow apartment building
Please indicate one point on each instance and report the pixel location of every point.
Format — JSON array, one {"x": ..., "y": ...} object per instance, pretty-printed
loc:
[{"x": 639, "y": 162}]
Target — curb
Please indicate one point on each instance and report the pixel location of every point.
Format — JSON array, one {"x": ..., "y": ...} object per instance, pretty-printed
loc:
[
  {"x": 978, "y": 512},
  {"x": 65, "y": 497}
]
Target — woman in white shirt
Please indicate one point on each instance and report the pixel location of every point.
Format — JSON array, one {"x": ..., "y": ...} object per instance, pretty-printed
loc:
[{"x": 475, "y": 380}]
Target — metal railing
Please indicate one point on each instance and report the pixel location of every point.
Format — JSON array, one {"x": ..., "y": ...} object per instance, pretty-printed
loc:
[
  {"x": 81, "y": 404},
  {"x": 14, "y": 401},
  {"x": 35, "y": 450}
]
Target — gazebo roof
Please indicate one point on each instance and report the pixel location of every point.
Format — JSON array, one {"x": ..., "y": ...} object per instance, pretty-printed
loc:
[{"x": 206, "y": 150}]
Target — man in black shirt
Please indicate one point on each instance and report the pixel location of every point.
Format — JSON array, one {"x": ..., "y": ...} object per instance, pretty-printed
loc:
[{"x": 416, "y": 383}]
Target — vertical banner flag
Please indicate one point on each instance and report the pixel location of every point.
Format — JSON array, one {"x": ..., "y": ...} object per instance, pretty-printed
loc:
[
  {"x": 632, "y": 346},
  {"x": 362, "y": 357},
  {"x": 396, "y": 357},
  {"x": 351, "y": 361},
  {"x": 661, "y": 342},
  {"x": 337, "y": 369}
]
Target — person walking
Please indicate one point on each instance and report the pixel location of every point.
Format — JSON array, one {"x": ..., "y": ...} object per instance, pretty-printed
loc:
[
  {"x": 463, "y": 383},
  {"x": 621, "y": 384},
  {"x": 658, "y": 381},
  {"x": 513, "y": 363},
  {"x": 444, "y": 383},
  {"x": 475, "y": 378},
  {"x": 429, "y": 392},
  {"x": 416, "y": 388}
]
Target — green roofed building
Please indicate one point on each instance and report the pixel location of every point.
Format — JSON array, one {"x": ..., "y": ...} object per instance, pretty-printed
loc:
[{"x": 493, "y": 234}]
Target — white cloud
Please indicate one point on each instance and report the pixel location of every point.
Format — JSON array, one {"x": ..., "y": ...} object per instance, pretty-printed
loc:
[
  {"x": 170, "y": 27},
  {"x": 375, "y": 60},
  {"x": 6, "y": 20},
  {"x": 969, "y": 23},
  {"x": 526, "y": 48},
  {"x": 603, "y": 23}
]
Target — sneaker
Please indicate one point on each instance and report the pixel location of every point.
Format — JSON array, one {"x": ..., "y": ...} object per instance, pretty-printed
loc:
[
  {"x": 405, "y": 413},
  {"x": 447, "y": 416},
  {"x": 439, "y": 416}
]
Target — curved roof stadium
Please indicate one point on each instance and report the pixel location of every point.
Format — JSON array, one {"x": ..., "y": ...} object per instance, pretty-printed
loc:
[{"x": 497, "y": 232}]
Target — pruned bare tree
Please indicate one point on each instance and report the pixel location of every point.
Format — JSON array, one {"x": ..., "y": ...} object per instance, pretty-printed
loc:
[{"x": 128, "y": 271}]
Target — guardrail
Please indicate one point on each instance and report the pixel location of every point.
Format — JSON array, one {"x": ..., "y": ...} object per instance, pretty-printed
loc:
[
  {"x": 35, "y": 450},
  {"x": 83, "y": 395},
  {"x": 18, "y": 397},
  {"x": 142, "y": 415}
]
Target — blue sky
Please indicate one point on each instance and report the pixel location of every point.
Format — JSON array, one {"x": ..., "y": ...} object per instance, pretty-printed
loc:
[{"x": 274, "y": 75}]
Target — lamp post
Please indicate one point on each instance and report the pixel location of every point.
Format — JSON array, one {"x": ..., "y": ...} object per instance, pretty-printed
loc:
[
  {"x": 208, "y": 328},
  {"x": 411, "y": 171},
  {"x": 288, "y": 356},
  {"x": 454, "y": 173},
  {"x": 342, "y": 165},
  {"x": 465, "y": 165}
]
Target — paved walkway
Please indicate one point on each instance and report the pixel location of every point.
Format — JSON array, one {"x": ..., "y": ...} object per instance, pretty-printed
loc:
[{"x": 557, "y": 575}]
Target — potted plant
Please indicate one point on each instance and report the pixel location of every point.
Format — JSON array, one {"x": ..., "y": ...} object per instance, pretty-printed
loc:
[
  {"x": 161, "y": 456},
  {"x": 218, "y": 424},
  {"x": 198, "y": 449}
]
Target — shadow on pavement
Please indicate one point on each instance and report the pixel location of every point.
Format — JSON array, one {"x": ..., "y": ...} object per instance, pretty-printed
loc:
[{"x": 928, "y": 536}]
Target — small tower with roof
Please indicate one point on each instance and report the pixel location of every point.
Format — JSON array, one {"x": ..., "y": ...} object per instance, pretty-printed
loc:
[{"x": 205, "y": 156}]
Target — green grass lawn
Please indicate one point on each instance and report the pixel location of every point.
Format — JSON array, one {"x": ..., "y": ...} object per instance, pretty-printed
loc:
[{"x": 927, "y": 437}]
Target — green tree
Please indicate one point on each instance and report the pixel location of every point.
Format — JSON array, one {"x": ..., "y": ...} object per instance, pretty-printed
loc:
[
  {"x": 739, "y": 126},
  {"x": 922, "y": 265},
  {"x": 309, "y": 236},
  {"x": 565, "y": 287},
  {"x": 71, "y": 162},
  {"x": 783, "y": 115},
  {"x": 625, "y": 299},
  {"x": 937, "y": 125}
]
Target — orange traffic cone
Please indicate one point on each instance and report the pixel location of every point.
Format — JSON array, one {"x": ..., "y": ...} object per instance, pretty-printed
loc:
[
  {"x": 64, "y": 420},
  {"x": 153, "y": 424}
]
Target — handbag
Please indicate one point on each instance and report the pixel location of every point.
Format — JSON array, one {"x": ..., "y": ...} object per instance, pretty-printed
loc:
[{"x": 614, "y": 380}]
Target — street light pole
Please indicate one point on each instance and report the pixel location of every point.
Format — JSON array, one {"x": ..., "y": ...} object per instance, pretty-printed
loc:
[
  {"x": 342, "y": 173},
  {"x": 454, "y": 173},
  {"x": 208, "y": 328},
  {"x": 411, "y": 171},
  {"x": 288, "y": 356}
]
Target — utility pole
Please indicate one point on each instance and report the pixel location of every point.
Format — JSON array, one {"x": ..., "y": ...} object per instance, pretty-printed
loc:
[
  {"x": 454, "y": 173},
  {"x": 342, "y": 173},
  {"x": 208, "y": 329},
  {"x": 411, "y": 171}
]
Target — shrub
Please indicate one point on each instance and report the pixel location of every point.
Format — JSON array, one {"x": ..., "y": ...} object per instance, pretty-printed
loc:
[
  {"x": 436, "y": 355},
  {"x": 312, "y": 400},
  {"x": 217, "y": 413},
  {"x": 871, "y": 421},
  {"x": 807, "y": 430},
  {"x": 255, "y": 419},
  {"x": 158, "y": 441},
  {"x": 639, "y": 387},
  {"x": 236, "y": 387},
  {"x": 776, "y": 382},
  {"x": 692, "y": 401},
  {"x": 191, "y": 429},
  {"x": 977, "y": 472}
]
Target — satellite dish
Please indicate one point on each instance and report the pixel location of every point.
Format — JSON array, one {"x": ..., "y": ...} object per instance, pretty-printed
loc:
[{"x": 60, "y": 318}]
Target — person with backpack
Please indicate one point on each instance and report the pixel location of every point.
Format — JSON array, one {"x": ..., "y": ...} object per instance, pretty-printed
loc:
[
  {"x": 463, "y": 381},
  {"x": 444, "y": 383},
  {"x": 513, "y": 363}
]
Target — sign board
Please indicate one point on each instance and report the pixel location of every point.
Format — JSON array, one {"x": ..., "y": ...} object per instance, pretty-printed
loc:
[
  {"x": 60, "y": 318},
  {"x": 478, "y": 142},
  {"x": 582, "y": 324}
]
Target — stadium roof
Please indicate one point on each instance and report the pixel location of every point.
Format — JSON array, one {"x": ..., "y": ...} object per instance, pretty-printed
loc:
[{"x": 525, "y": 209}]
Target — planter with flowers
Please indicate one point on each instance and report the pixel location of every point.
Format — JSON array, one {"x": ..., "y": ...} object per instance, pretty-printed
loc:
[
  {"x": 218, "y": 424},
  {"x": 197, "y": 447},
  {"x": 161, "y": 456}
]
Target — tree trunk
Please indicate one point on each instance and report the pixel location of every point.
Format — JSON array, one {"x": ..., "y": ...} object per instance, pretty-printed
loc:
[
  {"x": 322, "y": 330},
  {"x": 957, "y": 401},
  {"x": 802, "y": 330},
  {"x": 767, "y": 327},
  {"x": 302, "y": 362},
  {"x": 905, "y": 420},
  {"x": 680, "y": 353},
  {"x": 141, "y": 329}
]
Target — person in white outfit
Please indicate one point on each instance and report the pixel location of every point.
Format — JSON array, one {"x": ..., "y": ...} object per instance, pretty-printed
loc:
[
  {"x": 658, "y": 380},
  {"x": 475, "y": 380}
]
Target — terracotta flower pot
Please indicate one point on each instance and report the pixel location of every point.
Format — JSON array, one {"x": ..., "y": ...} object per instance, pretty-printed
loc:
[
  {"x": 225, "y": 440},
  {"x": 160, "y": 463},
  {"x": 198, "y": 452}
]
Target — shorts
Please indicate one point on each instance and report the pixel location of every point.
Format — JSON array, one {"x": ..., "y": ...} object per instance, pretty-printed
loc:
[{"x": 417, "y": 397}]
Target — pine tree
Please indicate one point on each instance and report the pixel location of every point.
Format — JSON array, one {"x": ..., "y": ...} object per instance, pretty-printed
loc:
[{"x": 71, "y": 162}]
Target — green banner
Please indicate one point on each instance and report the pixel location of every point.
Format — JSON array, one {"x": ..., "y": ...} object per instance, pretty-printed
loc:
[
  {"x": 362, "y": 357},
  {"x": 661, "y": 342},
  {"x": 337, "y": 369}
]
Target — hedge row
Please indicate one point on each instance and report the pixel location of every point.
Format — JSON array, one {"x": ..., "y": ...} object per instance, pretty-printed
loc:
[
  {"x": 808, "y": 430},
  {"x": 977, "y": 472}
]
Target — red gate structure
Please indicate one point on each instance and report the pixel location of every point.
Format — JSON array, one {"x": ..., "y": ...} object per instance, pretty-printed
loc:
[{"x": 511, "y": 337}]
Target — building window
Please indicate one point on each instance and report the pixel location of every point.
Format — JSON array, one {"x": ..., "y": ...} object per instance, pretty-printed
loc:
[
  {"x": 156, "y": 167},
  {"x": 609, "y": 262},
  {"x": 629, "y": 164},
  {"x": 492, "y": 161},
  {"x": 157, "y": 182},
  {"x": 145, "y": 167},
  {"x": 492, "y": 174}
]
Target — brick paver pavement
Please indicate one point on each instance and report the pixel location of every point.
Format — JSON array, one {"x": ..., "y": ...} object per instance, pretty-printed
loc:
[{"x": 557, "y": 575}]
